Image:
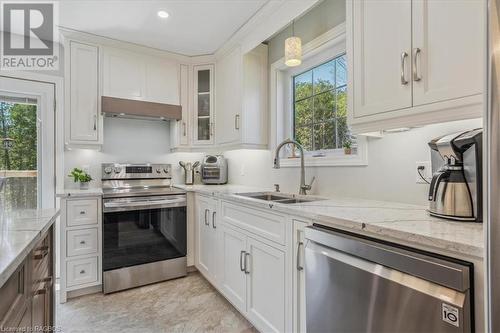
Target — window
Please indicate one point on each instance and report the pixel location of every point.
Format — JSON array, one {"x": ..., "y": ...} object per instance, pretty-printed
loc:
[{"x": 319, "y": 106}]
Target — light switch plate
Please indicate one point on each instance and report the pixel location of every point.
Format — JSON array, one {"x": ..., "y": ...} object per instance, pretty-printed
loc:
[{"x": 427, "y": 172}]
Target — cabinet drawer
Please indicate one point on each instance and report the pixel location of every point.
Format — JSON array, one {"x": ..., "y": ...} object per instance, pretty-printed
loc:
[
  {"x": 82, "y": 241},
  {"x": 82, "y": 212},
  {"x": 268, "y": 225},
  {"x": 81, "y": 271}
]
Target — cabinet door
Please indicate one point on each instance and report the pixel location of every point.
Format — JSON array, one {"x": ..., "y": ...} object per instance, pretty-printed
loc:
[
  {"x": 299, "y": 290},
  {"x": 381, "y": 56},
  {"x": 233, "y": 277},
  {"x": 124, "y": 74},
  {"x": 203, "y": 103},
  {"x": 229, "y": 99},
  {"x": 204, "y": 242},
  {"x": 162, "y": 81},
  {"x": 265, "y": 286},
  {"x": 84, "y": 93},
  {"x": 448, "y": 49},
  {"x": 183, "y": 125}
]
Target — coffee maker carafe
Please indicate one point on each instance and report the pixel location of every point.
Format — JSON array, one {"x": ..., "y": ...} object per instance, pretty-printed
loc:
[{"x": 455, "y": 191}]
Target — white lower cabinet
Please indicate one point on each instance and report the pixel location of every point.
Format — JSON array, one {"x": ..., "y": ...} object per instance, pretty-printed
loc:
[
  {"x": 233, "y": 277},
  {"x": 248, "y": 269},
  {"x": 81, "y": 246},
  {"x": 207, "y": 238},
  {"x": 265, "y": 270},
  {"x": 299, "y": 278}
]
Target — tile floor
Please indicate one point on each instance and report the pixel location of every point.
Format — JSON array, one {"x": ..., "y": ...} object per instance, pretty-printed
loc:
[{"x": 188, "y": 304}]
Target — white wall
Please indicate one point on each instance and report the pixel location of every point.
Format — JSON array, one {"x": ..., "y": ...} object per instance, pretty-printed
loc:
[
  {"x": 125, "y": 140},
  {"x": 390, "y": 174}
]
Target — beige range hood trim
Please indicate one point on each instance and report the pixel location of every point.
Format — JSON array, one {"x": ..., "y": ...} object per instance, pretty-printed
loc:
[{"x": 122, "y": 107}]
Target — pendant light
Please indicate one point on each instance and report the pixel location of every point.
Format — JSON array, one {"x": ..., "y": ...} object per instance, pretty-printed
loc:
[{"x": 293, "y": 49}]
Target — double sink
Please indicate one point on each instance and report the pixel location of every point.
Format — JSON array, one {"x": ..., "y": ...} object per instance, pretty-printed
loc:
[{"x": 278, "y": 197}]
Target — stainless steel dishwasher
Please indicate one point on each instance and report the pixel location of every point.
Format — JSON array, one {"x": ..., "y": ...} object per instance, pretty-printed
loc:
[{"x": 356, "y": 284}]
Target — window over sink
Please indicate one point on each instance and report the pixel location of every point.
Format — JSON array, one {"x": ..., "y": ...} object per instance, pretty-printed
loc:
[
  {"x": 309, "y": 103},
  {"x": 320, "y": 106}
]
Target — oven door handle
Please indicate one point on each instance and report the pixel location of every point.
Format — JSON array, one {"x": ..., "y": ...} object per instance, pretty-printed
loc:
[{"x": 141, "y": 205}]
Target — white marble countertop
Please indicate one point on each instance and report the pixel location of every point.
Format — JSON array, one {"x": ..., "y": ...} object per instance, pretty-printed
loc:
[
  {"x": 19, "y": 232},
  {"x": 78, "y": 193},
  {"x": 406, "y": 224}
]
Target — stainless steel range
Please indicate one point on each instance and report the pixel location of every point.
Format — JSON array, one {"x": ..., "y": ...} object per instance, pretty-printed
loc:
[{"x": 144, "y": 226}]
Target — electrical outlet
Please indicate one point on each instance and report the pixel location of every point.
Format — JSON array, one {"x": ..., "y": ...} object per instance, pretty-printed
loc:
[{"x": 426, "y": 172}]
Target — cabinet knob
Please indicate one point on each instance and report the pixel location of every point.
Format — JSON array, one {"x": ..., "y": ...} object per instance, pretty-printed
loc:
[
  {"x": 82, "y": 212},
  {"x": 82, "y": 242},
  {"x": 82, "y": 271}
]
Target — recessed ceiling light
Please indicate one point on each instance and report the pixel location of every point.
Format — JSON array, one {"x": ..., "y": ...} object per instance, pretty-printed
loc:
[{"x": 162, "y": 14}]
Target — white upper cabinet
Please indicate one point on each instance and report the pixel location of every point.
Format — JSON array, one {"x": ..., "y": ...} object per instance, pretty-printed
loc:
[
  {"x": 83, "y": 119},
  {"x": 203, "y": 104},
  {"x": 448, "y": 44},
  {"x": 381, "y": 57},
  {"x": 241, "y": 98},
  {"x": 138, "y": 76},
  {"x": 414, "y": 62}
]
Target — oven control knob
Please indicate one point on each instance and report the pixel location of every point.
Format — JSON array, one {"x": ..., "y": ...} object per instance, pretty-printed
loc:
[
  {"x": 158, "y": 170},
  {"x": 118, "y": 169},
  {"x": 166, "y": 170},
  {"x": 107, "y": 170}
]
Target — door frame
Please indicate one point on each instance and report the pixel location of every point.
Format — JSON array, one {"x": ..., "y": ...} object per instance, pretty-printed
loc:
[{"x": 58, "y": 83}]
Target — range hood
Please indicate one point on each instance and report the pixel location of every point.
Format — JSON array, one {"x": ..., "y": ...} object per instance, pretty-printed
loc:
[{"x": 129, "y": 108}]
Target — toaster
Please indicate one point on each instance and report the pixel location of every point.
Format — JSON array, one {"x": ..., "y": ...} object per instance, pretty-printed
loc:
[{"x": 214, "y": 169}]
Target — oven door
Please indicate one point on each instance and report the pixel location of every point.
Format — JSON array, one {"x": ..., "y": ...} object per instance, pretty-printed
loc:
[{"x": 141, "y": 230}]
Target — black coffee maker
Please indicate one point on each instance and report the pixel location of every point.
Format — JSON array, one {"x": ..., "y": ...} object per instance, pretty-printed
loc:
[{"x": 455, "y": 191}]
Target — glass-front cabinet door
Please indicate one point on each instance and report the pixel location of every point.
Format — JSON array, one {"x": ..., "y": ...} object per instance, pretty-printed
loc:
[{"x": 204, "y": 129}]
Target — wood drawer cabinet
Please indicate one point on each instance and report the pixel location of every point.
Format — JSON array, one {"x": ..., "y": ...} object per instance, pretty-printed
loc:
[
  {"x": 81, "y": 212},
  {"x": 27, "y": 297},
  {"x": 81, "y": 241},
  {"x": 81, "y": 246}
]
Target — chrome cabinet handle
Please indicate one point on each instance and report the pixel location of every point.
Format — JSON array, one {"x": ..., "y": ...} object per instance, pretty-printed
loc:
[
  {"x": 211, "y": 129},
  {"x": 95, "y": 122},
  {"x": 184, "y": 128},
  {"x": 206, "y": 219},
  {"x": 404, "y": 81},
  {"x": 416, "y": 55},
  {"x": 247, "y": 255},
  {"x": 213, "y": 220},
  {"x": 242, "y": 267},
  {"x": 299, "y": 266},
  {"x": 237, "y": 122}
]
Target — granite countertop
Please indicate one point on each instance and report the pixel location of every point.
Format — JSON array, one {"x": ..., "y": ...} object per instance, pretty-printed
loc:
[
  {"x": 406, "y": 224},
  {"x": 78, "y": 193},
  {"x": 20, "y": 230}
]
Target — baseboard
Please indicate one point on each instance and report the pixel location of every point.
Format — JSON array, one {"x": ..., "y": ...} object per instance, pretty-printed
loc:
[{"x": 84, "y": 291}]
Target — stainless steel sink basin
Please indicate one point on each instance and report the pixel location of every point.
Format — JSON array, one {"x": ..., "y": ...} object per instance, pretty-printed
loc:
[{"x": 277, "y": 197}]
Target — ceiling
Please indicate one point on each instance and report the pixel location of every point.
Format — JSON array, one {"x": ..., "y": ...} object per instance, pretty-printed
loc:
[{"x": 194, "y": 27}]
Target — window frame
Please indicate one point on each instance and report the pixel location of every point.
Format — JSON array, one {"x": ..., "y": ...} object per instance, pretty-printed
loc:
[
  {"x": 313, "y": 95},
  {"x": 316, "y": 52}
]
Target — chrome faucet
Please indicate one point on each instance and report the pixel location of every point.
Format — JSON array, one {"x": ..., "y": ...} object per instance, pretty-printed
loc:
[{"x": 303, "y": 187}]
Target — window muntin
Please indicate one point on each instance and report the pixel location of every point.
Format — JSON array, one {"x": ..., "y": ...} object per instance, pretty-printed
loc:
[{"x": 319, "y": 105}]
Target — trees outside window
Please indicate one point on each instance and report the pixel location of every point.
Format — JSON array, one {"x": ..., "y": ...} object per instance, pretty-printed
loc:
[{"x": 320, "y": 106}]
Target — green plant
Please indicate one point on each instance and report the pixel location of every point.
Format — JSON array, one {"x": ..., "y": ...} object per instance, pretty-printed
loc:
[
  {"x": 79, "y": 175},
  {"x": 347, "y": 144}
]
